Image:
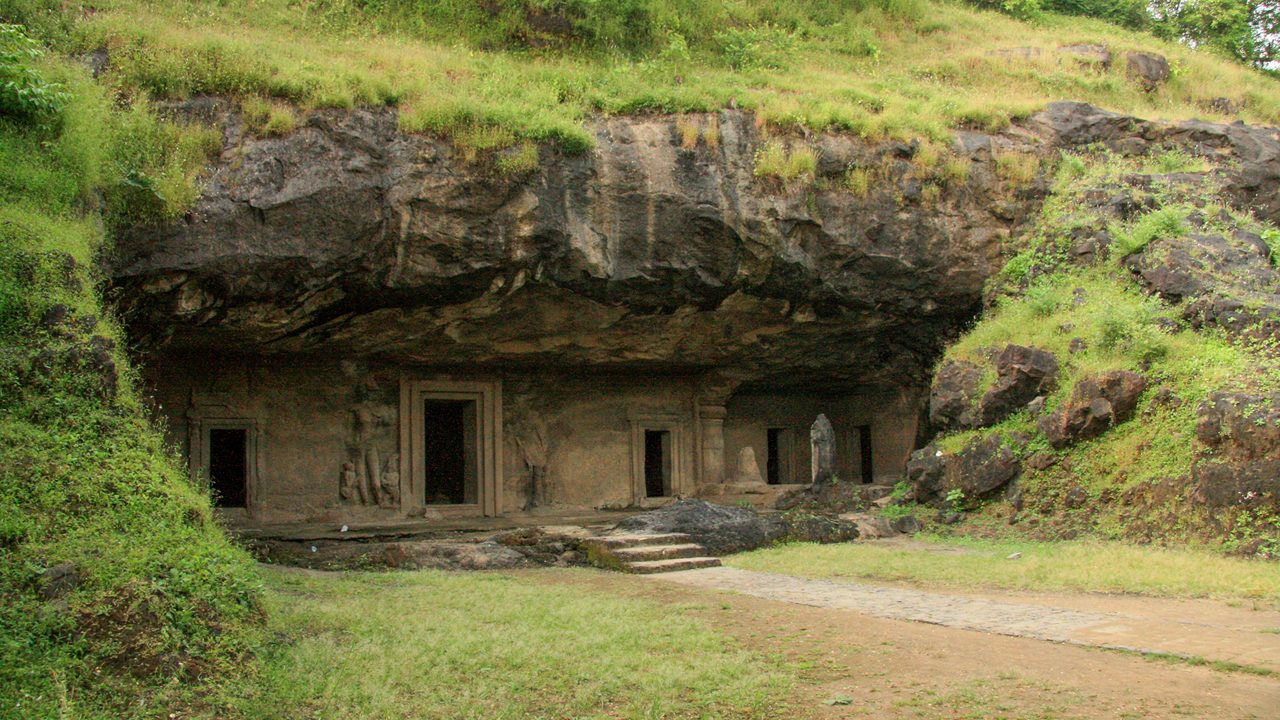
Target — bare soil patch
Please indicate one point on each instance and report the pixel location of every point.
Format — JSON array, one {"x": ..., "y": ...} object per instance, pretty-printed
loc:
[{"x": 881, "y": 668}]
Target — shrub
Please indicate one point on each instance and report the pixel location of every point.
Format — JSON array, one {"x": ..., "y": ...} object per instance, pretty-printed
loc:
[
  {"x": 24, "y": 92},
  {"x": 753, "y": 48}
]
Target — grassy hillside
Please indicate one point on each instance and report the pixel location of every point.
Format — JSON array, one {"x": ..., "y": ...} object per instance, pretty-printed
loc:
[
  {"x": 1133, "y": 481},
  {"x": 493, "y": 74},
  {"x": 118, "y": 594}
]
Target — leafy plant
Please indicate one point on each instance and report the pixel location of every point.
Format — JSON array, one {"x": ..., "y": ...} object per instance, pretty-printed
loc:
[
  {"x": 955, "y": 499},
  {"x": 24, "y": 92},
  {"x": 753, "y": 48},
  {"x": 1162, "y": 223}
]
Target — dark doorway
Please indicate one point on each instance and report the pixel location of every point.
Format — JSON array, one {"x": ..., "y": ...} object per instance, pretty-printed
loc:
[
  {"x": 657, "y": 463},
  {"x": 449, "y": 447},
  {"x": 864, "y": 445},
  {"x": 229, "y": 466},
  {"x": 778, "y": 460}
]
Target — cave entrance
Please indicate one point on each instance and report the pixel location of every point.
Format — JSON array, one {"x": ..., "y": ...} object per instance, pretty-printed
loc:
[
  {"x": 224, "y": 454},
  {"x": 778, "y": 456},
  {"x": 453, "y": 431},
  {"x": 657, "y": 463},
  {"x": 229, "y": 466},
  {"x": 449, "y": 452},
  {"x": 862, "y": 438}
]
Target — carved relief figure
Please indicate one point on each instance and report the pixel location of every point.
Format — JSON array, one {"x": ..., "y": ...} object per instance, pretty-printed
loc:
[
  {"x": 531, "y": 437},
  {"x": 349, "y": 488},
  {"x": 390, "y": 490}
]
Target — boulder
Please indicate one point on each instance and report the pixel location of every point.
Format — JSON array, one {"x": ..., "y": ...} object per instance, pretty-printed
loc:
[
  {"x": 1022, "y": 374},
  {"x": 1240, "y": 426},
  {"x": 719, "y": 528},
  {"x": 953, "y": 398},
  {"x": 984, "y": 466},
  {"x": 1097, "y": 56},
  {"x": 1248, "y": 483},
  {"x": 980, "y": 468},
  {"x": 1097, "y": 402},
  {"x": 927, "y": 472},
  {"x": 1149, "y": 69},
  {"x": 826, "y": 529}
]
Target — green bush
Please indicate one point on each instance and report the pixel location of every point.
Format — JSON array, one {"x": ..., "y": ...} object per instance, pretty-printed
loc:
[{"x": 24, "y": 92}]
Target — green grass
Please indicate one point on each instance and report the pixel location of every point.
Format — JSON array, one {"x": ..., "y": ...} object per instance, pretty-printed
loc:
[
  {"x": 165, "y": 603},
  {"x": 1067, "y": 566},
  {"x": 435, "y": 645},
  {"x": 895, "y": 68}
]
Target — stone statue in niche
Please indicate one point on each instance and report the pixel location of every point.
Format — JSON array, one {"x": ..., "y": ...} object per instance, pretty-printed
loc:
[
  {"x": 390, "y": 490},
  {"x": 822, "y": 444},
  {"x": 532, "y": 440},
  {"x": 748, "y": 469},
  {"x": 350, "y": 489},
  {"x": 369, "y": 417}
]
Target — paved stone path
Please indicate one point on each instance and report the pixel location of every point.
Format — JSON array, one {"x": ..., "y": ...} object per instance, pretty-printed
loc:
[{"x": 1005, "y": 617}]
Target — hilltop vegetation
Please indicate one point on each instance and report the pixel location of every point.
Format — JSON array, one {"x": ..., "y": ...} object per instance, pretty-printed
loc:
[{"x": 495, "y": 74}]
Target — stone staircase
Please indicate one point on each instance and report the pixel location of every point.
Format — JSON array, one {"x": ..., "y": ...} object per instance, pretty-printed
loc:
[{"x": 646, "y": 554}]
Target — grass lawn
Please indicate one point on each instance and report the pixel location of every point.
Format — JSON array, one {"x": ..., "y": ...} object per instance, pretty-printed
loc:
[
  {"x": 480, "y": 645},
  {"x": 1074, "y": 566}
]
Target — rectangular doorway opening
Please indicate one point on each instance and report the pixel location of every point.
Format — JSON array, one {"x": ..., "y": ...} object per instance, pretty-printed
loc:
[
  {"x": 657, "y": 463},
  {"x": 864, "y": 453},
  {"x": 778, "y": 456},
  {"x": 450, "y": 449},
  {"x": 229, "y": 466}
]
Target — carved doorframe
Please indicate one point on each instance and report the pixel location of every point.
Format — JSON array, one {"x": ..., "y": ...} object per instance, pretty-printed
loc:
[
  {"x": 676, "y": 425},
  {"x": 198, "y": 429},
  {"x": 487, "y": 395}
]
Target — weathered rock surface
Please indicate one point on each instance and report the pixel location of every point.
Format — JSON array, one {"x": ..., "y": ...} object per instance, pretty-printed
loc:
[
  {"x": 1227, "y": 282},
  {"x": 395, "y": 554},
  {"x": 953, "y": 398},
  {"x": 1242, "y": 432},
  {"x": 1148, "y": 68},
  {"x": 983, "y": 466},
  {"x": 348, "y": 238},
  {"x": 723, "y": 530},
  {"x": 1097, "y": 403},
  {"x": 719, "y": 528},
  {"x": 1022, "y": 375}
]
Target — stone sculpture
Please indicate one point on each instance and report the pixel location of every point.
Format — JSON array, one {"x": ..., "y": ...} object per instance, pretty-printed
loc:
[
  {"x": 349, "y": 488},
  {"x": 748, "y": 468},
  {"x": 390, "y": 490},
  {"x": 822, "y": 441}
]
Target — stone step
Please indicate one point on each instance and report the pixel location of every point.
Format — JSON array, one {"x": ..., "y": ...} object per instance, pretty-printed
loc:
[
  {"x": 640, "y": 553},
  {"x": 649, "y": 567},
  {"x": 872, "y": 493},
  {"x": 614, "y": 542}
]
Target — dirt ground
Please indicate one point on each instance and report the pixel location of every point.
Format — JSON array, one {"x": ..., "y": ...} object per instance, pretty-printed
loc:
[{"x": 855, "y": 666}]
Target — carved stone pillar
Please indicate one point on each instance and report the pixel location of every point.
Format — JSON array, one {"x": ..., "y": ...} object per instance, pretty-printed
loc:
[{"x": 711, "y": 420}]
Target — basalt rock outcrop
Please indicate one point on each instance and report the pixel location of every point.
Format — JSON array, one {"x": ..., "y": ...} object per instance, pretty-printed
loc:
[
  {"x": 1096, "y": 404},
  {"x": 348, "y": 238},
  {"x": 1241, "y": 432}
]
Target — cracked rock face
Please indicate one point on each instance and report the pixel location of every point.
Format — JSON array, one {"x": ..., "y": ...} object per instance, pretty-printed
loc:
[{"x": 350, "y": 239}]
